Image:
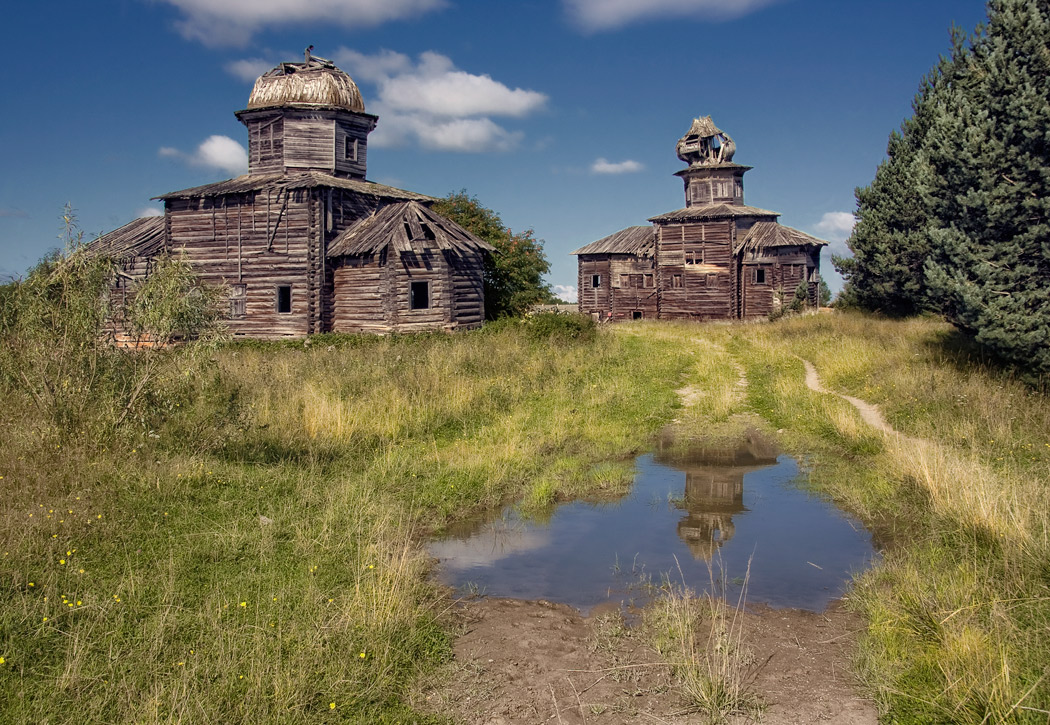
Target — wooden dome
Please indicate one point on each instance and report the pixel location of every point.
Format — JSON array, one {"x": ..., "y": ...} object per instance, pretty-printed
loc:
[{"x": 317, "y": 82}]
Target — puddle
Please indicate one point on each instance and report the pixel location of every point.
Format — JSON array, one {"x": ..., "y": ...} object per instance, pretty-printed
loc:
[{"x": 690, "y": 512}]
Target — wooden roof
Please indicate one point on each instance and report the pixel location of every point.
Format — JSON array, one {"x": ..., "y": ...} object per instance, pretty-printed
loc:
[
  {"x": 764, "y": 235},
  {"x": 632, "y": 240},
  {"x": 408, "y": 227},
  {"x": 713, "y": 211},
  {"x": 143, "y": 237},
  {"x": 305, "y": 180},
  {"x": 315, "y": 83}
]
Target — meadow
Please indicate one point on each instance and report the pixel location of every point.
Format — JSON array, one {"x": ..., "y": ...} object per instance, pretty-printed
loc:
[{"x": 250, "y": 551}]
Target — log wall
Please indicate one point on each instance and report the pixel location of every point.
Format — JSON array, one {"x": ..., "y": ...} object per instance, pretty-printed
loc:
[
  {"x": 592, "y": 300},
  {"x": 632, "y": 287},
  {"x": 695, "y": 268}
]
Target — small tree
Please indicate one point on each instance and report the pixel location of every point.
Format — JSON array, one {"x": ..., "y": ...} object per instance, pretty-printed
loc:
[{"x": 514, "y": 273}]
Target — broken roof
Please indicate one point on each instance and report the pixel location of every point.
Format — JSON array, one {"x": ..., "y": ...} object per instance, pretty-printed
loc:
[
  {"x": 771, "y": 234},
  {"x": 714, "y": 211},
  {"x": 306, "y": 180},
  {"x": 408, "y": 227},
  {"x": 632, "y": 240},
  {"x": 142, "y": 237}
]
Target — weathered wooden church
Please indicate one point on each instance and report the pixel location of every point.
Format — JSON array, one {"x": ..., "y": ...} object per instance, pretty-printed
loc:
[
  {"x": 715, "y": 259},
  {"x": 303, "y": 242}
]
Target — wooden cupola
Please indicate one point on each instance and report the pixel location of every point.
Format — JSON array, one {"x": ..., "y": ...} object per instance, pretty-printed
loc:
[
  {"x": 712, "y": 177},
  {"x": 307, "y": 117}
]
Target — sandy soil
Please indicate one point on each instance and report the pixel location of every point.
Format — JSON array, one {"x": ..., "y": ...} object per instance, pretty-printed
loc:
[{"x": 537, "y": 662}]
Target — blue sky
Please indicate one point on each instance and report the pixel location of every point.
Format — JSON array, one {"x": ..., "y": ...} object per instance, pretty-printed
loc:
[{"x": 561, "y": 115}]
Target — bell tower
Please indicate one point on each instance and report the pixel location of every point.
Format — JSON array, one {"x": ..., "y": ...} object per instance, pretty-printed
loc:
[
  {"x": 712, "y": 177},
  {"x": 307, "y": 117}
]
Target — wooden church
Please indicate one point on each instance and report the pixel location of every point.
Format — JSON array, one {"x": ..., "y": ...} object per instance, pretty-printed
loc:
[
  {"x": 714, "y": 259},
  {"x": 303, "y": 242}
]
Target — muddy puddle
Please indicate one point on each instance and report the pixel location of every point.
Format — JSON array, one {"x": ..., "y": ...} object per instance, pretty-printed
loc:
[{"x": 706, "y": 517}]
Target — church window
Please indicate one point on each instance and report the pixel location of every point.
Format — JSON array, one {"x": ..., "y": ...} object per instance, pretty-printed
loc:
[
  {"x": 419, "y": 294},
  {"x": 760, "y": 276},
  {"x": 350, "y": 152},
  {"x": 694, "y": 254},
  {"x": 596, "y": 281},
  {"x": 237, "y": 298},
  {"x": 284, "y": 299}
]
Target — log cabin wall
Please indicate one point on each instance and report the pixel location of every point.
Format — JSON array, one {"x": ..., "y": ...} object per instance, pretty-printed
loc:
[
  {"x": 359, "y": 291},
  {"x": 286, "y": 140},
  {"x": 427, "y": 268},
  {"x": 265, "y": 260},
  {"x": 632, "y": 287},
  {"x": 593, "y": 286},
  {"x": 468, "y": 290},
  {"x": 266, "y": 144},
  {"x": 695, "y": 263}
]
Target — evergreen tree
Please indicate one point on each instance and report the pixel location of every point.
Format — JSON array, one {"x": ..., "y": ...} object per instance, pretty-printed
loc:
[
  {"x": 514, "y": 274},
  {"x": 989, "y": 193}
]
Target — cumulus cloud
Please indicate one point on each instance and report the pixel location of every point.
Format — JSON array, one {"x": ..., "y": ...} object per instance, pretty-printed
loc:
[
  {"x": 215, "y": 152},
  {"x": 149, "y": 211},
  {"x": 434, "y": 104},
  {"x": 248, "y": 69},
  {"x": 565, "y": 292},
  {"x": 234, "y": 22},
  {"x": 836, "y": 226},
  {"x": 598, "y": 15},
  {"x": 602, "y": 166}
]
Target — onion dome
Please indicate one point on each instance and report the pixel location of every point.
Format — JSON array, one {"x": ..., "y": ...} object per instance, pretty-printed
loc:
[
  {"x": 317, "y": 82},
  {"x": 705, "y": 144}
]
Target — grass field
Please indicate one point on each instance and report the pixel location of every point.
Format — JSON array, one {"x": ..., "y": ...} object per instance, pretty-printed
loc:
[{"x": 253, "y": 553}]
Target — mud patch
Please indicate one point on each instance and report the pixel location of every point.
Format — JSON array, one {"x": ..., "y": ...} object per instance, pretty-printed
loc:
[{"x": 538, "y": 662}]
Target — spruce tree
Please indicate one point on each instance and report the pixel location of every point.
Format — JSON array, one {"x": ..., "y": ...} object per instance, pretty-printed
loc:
[{"x": 989, "y": 150}]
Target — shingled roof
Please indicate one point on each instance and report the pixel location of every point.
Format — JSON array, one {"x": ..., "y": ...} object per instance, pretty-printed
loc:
[
  {"x": 408, "y": 227},
  {"x": 632, "y": 240},
  {"x": 306, "y": 180},
  {"x": 142, "y": 237},
  {"x": 770, "y": 234},
  {"x": 714, "y": 211}
]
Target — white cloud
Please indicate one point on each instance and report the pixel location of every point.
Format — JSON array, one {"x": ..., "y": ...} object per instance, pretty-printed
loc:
[
  {"x": 215, "y": 152},
  {"x": 836, "y": 226},
  {"x": 233, "y": 22},
  {"x": 598, "y": 15},
  {"x": 13, "y": 213},
  {"x": 248, "y": 69},
  {"x": 436, "y": 105},
  {"x": 602, "y": 166},
  {"x": 565, "y": 292},
  {"x": 149, "y": 211}
]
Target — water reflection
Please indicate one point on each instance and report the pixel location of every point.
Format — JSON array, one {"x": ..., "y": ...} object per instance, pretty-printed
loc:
[{"x": 736, "y": 506}]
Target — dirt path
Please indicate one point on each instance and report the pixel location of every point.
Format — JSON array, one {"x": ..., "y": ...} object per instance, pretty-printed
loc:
[{"x": 869, "y": 413}]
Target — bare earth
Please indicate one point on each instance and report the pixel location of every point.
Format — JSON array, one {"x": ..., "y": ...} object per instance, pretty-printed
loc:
[{"x": 538, "y": 662}]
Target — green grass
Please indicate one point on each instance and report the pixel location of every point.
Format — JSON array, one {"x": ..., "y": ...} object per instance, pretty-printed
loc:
[
  {"x": 256, "y": 556},
  {"x": 232, "y": 556}
]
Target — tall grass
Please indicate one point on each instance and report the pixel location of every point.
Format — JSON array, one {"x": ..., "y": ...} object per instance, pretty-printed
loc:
[{"x": 255, "y": 555}]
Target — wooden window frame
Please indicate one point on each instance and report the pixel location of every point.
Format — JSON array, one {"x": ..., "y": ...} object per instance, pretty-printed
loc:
[
  {"x": 238, "y": 295},
  {"x": 759, "y": 276},
  {"x": 278, "y": 299},
  {"x": 596, "y": 281},
  {"x": 350, "y": 148},
  {"x": 414, "y": 288}
]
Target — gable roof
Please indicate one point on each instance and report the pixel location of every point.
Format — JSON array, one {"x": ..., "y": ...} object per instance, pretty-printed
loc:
[
  {"x": 632, "y": 240},
  {"x": 142, "y": 237},
  {"x": 306, "y": 180},
  {"x": 713, "y": 211},
  {"x": 409, "y": 227},
  {"x": 771, "y": 234}
]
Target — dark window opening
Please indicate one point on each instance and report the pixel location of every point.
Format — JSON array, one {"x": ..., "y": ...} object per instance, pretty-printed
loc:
[
  {"x": 694, "y": 254},
  {"x": 350, "y": 152},
  {"x": 237, "y": 296},
  {"x": 419, "y": 295},
  {"x": 760, "y": 276},
  {"x": 284, "y": 299},
  {"x": 596, "y": 281},
  {"x": 636, "y": 315}
]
